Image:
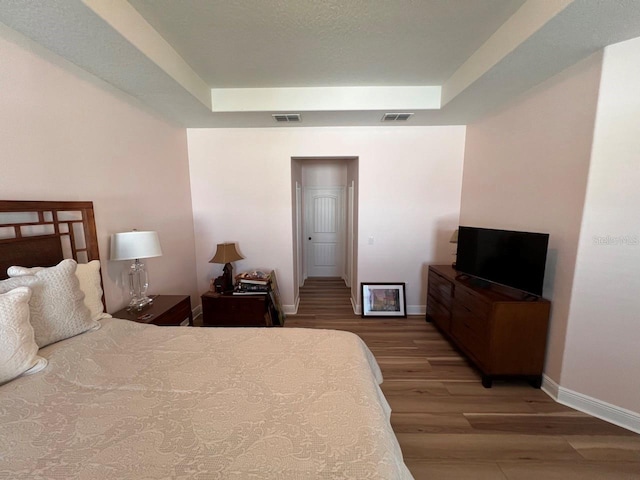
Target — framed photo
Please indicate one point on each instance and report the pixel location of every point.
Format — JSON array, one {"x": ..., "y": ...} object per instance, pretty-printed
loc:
[{"x": 383, "y": 300}]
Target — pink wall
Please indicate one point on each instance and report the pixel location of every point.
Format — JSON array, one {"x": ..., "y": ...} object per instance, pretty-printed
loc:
[
  {"x": 602, "y": 354},
  {"x": 67, "y": 136},
  {"x": 526, "y": 169},
  {"x": 409, "y": 197}
]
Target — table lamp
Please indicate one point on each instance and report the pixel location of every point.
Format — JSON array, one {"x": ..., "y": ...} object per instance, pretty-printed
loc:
[
  {"x": 226, "y": 253},
  {"x": 134, "y": 246}
]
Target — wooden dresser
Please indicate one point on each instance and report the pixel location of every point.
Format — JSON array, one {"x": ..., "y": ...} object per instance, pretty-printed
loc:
[{"x": 503, "y": 331}]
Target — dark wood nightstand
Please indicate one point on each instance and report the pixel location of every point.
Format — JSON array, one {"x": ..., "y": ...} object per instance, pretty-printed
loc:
[
  {"x": 166, "y": 310},
  {"x": 228, "y": 310}
]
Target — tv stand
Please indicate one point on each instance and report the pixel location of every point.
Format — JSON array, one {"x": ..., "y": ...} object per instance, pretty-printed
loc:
[
  {"x": 479, "y": 283},
  {"x": 502, "y": 330}
]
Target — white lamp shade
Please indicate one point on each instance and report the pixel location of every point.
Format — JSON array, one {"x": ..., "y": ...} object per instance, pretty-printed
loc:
[{"x": 134, "y": 245}]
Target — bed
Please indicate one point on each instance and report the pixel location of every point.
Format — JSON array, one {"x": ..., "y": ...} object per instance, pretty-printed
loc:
[{"x": 127, "y": 400}]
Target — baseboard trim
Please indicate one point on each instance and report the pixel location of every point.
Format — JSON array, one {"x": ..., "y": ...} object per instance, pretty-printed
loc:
[
  {"x": 197, "y": 311},
  {"x": 550, "y": 387},
  {"x": 416, "y": 309},
  {"x": 604, "y": 411},
  {"x": 356, "y": 307},
  {"x": 292, "y": 309}
]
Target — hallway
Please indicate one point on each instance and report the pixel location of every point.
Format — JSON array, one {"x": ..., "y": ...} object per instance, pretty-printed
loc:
[{"x": 324, "y": 298}]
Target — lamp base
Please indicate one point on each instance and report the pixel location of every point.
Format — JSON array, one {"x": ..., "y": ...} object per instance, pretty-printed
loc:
[
  {"x": 138, "y": 284},
  {"x": 227, "y": 277},
  {"x": 139, "y": 303}
]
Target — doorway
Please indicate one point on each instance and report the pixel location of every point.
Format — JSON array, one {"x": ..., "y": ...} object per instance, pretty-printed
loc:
[{"x": 324, "y": 202}]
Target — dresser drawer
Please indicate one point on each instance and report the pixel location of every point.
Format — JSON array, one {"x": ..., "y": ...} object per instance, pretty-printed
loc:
[
  {"x": 440, "y": 314},
  {"x": 472, "y": 301},
  {"x": 440, "y": 288},
  {"x": 471, "y": 331},
  {"x": 475, "y": 345},
  {"x": 479, "y": 324}
]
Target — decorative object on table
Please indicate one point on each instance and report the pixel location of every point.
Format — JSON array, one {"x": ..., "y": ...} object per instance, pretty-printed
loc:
[
  {"x": 254, "y": 277},
  {"x": 454, "y": 240},
  {"x": 255, "y": 282},
  {"x": 225, "y": 253},
  {"x": 134, "y": 246},
  {"x": 250, "y": 289},
  {"x": 383, "y": 300}
]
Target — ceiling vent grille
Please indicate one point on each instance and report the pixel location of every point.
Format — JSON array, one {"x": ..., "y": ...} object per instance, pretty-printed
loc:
[
  {"x": 287, "y": 117},
  {"x": 396, "y": 117}
]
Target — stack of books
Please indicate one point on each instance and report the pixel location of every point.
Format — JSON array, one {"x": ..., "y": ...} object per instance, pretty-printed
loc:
[{"x": 255, "y": 282}]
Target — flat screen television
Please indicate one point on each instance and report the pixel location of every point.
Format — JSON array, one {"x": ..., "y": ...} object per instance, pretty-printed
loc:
[{"x": 510, "y": 258}]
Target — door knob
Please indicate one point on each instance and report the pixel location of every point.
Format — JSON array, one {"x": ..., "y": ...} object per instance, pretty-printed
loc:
[{"x": 309, "y": 238}]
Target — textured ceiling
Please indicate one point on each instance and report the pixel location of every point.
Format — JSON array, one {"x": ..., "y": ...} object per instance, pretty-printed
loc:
[
  {"x": 156, "y": 50},
  {"x": 300, "y": 43}
]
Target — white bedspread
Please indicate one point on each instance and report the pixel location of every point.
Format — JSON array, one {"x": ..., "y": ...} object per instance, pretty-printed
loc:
[{"x": 146, "y": 402}]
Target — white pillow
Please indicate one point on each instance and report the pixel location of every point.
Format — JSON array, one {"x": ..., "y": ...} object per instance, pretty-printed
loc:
[
  {"x": 57, "y": 307},
  {"x": 19, "y": 352},
  {"x": 90, "y": 284}
]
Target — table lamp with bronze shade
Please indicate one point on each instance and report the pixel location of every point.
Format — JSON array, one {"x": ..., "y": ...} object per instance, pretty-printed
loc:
[{"x": 226, "y": 253}]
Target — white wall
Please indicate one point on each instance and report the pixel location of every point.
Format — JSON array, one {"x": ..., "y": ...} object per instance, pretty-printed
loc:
[
  {"x": 409, "y": 197},
  {"x": 352, "y": 180},
  {"x": 297, "y": 220},
  {"x": 66, "y": 135},
  {"x": 602, "y": 357},
  {"x": 526, "y": 168}
]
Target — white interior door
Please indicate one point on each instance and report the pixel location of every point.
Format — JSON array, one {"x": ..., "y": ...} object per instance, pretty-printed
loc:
[{"x": 324, "y": 231}]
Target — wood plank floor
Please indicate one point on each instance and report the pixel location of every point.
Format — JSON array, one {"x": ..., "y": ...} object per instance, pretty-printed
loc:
[{"x": 450, "y": 427}]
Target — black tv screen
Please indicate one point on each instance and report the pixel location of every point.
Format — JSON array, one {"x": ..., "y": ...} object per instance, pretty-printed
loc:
[{"x": 514, "y": 259}]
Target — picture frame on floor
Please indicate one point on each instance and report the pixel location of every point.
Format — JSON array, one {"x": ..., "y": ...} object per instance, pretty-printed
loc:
[{"x": 383, "y": 299}]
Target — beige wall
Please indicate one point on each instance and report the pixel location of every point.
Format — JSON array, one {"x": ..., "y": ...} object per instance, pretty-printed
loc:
[
  {"x": 409, "y": 197},
  {"x": 526, "y": 169},
  {"x": 602, "y": 358},
  {"x": 67, "y": 136}
]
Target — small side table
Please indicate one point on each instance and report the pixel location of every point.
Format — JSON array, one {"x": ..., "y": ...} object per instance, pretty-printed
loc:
[{"x": 166, "y": 310}]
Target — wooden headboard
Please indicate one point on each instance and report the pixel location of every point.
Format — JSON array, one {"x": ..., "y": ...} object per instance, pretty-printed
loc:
[{"x": 41, "y": 234}]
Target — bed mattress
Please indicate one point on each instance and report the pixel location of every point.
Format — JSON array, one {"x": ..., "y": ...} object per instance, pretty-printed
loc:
[{"x": 140, "y": 401}]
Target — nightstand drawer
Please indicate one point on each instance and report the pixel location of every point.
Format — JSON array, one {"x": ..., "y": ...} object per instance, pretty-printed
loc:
[
  {"x": 235, "y": 310},
  {"x": 166, "y": 310},
  {"x": 175, "y": 315}
]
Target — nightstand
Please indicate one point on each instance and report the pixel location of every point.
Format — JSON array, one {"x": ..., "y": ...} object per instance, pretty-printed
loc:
[
  {"x": 229, "y": 310},
  {"x": 166, "y": 310}
]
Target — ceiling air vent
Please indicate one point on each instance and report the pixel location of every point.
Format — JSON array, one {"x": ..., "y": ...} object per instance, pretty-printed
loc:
[
  {"x": 396, "y": 117},
  {"x": 287, "y": 117}
]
